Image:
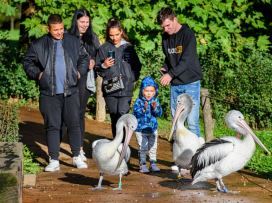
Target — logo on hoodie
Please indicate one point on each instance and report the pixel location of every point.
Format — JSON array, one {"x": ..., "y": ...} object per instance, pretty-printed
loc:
[{"x": 175, "y": 50}]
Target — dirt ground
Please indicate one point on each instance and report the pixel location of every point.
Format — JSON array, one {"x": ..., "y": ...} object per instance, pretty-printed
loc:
[{"x": 72, "y": 185}]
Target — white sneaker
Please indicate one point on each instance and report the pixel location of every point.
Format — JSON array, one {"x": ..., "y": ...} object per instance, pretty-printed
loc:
[
  {"x": 77, "y": 161},
  {"x": 143, "y": 169},
  {"x": 82, "y": 155},
  {"x": 174, "y": 168},
  {"x": 53, "y": 165},
  {"x": 154, "y": 167}
]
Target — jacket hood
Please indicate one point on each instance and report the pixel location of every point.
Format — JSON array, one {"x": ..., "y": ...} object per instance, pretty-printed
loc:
[{"x": 148, "y": 81}]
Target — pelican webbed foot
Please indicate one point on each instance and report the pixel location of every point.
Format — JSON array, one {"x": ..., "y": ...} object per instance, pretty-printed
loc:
[
  {"x": 97, "y": 188},
  {"x": 99, "y": 184},
  {"x": 225, "y": 190},
  {"x": 118, "y": 188}
]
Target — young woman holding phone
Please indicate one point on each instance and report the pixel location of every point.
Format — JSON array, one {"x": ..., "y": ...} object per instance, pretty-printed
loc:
[{"x": 119, "y": 65}]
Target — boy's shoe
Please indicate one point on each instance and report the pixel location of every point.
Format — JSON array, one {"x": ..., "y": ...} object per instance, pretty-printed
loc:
[
  {"x": 53, "y": 165},
  {"x": 82, "y": 155},
  {"x": 174, "y": 168},
  {"x": 154, "y": 167},
  {"x": 143, "y": 169},
  {"x": 77, "y": 161}
]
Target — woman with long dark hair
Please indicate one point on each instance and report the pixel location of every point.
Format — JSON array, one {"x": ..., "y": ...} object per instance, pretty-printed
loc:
[
  {"x": 82, "y": 28},
  {"x": 119, "y": 72}
]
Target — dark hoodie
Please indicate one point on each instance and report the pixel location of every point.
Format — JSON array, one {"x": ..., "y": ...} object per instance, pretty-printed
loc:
[
  {"x": 147, "y": 122},
  {"x": 181, "y": 61}
]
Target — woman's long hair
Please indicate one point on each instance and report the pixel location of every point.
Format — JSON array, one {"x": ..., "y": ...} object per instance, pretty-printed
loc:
[
  {"x": 114, "y": 23},
  {"x": 88, "y": 36}
]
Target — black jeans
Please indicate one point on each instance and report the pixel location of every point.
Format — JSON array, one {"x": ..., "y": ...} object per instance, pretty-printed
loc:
[
  {"x": 84, "y": 95},
  {"x": 117, "y": 106},
  {"x": 56, "y": 110}
]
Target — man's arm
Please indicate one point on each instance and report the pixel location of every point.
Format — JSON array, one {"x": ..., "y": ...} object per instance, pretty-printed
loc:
[
  {"x": 29, "y": 64},
  {"x": 83, "y": 60}
]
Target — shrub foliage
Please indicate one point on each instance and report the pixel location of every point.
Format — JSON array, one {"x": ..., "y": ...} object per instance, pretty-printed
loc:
[{"x": 9, "y": 121}]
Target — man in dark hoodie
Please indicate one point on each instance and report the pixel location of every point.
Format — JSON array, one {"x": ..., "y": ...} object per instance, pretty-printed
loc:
[{"x": 181, "y": 67}]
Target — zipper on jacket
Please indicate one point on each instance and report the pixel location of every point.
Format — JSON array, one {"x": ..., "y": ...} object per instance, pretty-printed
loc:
[
  {"x": 53, "y": 70},
  {"x": 65, "y": 69}
]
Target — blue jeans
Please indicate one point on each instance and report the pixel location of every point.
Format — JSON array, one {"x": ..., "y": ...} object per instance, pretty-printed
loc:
[{"x": 192, "y": 89}]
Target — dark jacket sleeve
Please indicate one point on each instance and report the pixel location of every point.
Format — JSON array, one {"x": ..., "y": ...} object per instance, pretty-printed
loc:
[
  {"x": 185, "y": 60},
  {"x": 136, "y": 65},
  {"x": 83, "y": 61},
  {"x": 165, "y": 66},
  {"x": 29, "y": 64},
  {"x": 92, "y": 50},
  {"x": 99, "y": 60}
]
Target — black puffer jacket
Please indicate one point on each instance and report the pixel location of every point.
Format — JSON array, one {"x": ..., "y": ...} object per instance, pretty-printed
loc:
[
  {"x": 41, "y": 57},
  {"x": 126, "y": 62}
]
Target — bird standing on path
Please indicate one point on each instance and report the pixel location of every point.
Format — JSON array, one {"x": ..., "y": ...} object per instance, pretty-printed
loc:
[
  {"x": 220, "y": 157},
  {"x": 108, "y": 155},
  {"x": 185, "y": 142}
]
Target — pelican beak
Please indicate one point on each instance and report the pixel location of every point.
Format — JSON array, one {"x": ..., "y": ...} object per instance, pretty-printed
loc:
[
  {"x": 129, "y": 133},
  {"x": 244, "y": 125},
  {"x": 179, "y": 108}
]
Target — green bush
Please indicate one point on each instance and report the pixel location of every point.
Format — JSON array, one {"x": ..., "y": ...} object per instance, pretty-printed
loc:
[
  {"x": 9, "y": 121},
  {"x": 244, "y": 80},
  {"x": 30, "y": 166},
  {"x": 260, "y": 161},
  {"x": 13, "y": 80}
]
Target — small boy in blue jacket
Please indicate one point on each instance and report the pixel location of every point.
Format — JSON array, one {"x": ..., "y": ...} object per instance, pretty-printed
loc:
[{"x": 146, "y": 108}]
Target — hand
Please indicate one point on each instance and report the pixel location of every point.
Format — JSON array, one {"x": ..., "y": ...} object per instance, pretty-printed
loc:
[
  {"x": 145, "y": 106},
  {"x": 165, "y": 79},
  {"x": 92, "y": 63},
  {"x": 40, "y": 75},
  {"x": 78, "y": 74},
  {"x": 162, "y": 69},
  {"x": 154, "y": 105},
  {"x": 109, "y": 62}
]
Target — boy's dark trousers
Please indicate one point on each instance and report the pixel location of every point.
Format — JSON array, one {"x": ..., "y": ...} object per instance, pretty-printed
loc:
[
  {"x": 117, "y": 106},
  {"x": 55, "y": 110}
]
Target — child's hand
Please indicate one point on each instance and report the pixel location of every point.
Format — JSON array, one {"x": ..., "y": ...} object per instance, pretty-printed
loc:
[
  {"x": 145, "y": 106},
  {"x": 154, "y": 105}
]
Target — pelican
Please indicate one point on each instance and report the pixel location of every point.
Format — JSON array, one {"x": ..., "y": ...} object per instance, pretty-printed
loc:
[
  {"x": 108, "y": 155},
  {"x": 220, "y": 157},
  {"x": 185, "y": 142}
]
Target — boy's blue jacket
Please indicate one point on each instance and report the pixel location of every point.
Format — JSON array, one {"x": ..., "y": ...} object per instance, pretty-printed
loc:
[{"x": 147, "y": 122}]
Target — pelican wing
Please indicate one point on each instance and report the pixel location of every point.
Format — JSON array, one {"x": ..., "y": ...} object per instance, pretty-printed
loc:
[
  {"x": 96, "y": 141},
  {"x": 128, "y": 153},
  {"x": 210, "y": 153}
]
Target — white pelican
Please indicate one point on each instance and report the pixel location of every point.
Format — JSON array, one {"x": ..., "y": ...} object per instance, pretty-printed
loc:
[
  {"x": 108, "y": 154},
  {"x": 185, "y": 142},
  {"x": 220, "y": 157}
]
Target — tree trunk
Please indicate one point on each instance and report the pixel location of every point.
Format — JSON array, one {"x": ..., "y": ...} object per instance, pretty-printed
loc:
[
  {"x": 100, "y": 102},
  {"x": 12, "y": 18},
  {"x": 207, "y": 114}
]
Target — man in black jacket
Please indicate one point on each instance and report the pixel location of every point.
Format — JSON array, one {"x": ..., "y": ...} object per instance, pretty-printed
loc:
[
  {"x": 181, "y": 65},
  {"x": 57, "y": 60}
]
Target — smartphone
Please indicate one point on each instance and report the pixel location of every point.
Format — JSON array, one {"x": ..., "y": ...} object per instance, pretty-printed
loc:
[{"x": 111, "y": 54}]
